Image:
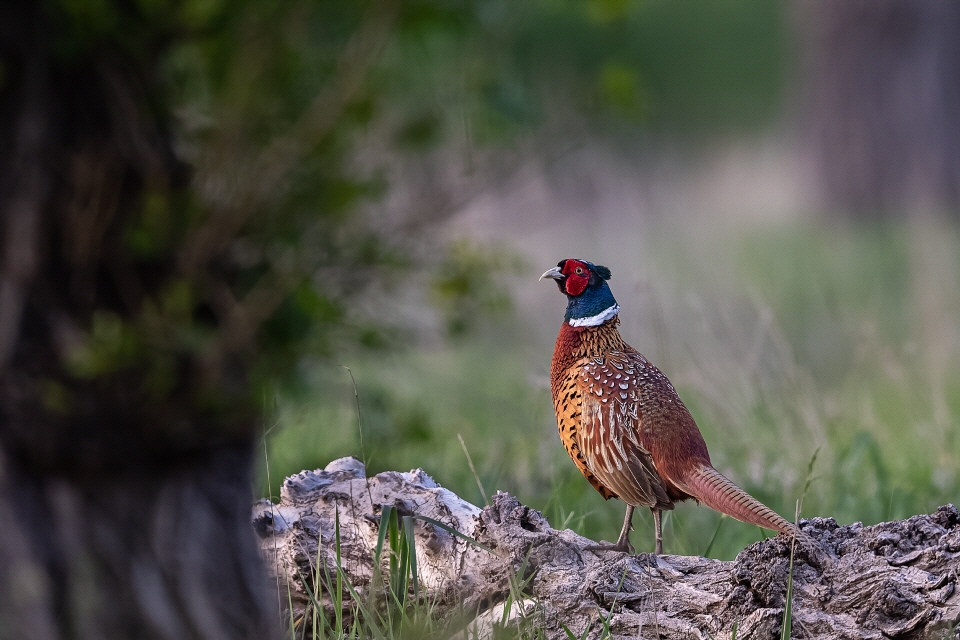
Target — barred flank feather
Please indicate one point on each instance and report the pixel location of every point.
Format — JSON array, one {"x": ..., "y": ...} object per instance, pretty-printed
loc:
[{"x": 715, "y": 490}]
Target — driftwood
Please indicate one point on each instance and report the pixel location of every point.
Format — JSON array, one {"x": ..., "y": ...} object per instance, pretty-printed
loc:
[{"x": 894, "y": 579}]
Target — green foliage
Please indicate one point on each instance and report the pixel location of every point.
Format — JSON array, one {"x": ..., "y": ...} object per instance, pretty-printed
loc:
[
  {"x": 469, "y": 286},
  {"x": 307, "y": 124},
  {"x": 112, "y": 346}
]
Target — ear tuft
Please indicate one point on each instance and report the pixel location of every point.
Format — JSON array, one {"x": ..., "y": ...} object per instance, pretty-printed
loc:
[{"x": 602, "y": 271}]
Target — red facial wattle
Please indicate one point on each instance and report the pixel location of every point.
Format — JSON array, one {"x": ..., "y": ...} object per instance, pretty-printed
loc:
[
  {"x": 578, "y": 277},
  {"x": 576, "y": 284}
]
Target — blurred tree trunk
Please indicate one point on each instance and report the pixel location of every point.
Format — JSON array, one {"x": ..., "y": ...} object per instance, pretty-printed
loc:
[
  {"x": 883, "y": 82},
  {"x": 123, "y": 495}
]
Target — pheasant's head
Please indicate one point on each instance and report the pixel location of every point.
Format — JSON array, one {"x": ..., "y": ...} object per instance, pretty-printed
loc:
[{"x": 589, "y": 300}]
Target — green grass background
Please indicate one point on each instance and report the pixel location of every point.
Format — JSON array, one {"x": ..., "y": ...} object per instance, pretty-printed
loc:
[{"x": 783, "y": 340}]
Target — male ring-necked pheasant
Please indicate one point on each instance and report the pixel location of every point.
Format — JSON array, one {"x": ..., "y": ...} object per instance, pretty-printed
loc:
[{"x": 622, "y": 421}]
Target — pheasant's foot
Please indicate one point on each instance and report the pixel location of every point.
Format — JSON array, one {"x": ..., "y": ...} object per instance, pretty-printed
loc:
[{"x": 623, "y": 542}]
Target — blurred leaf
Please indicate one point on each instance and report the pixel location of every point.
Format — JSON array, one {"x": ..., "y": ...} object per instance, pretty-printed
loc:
[
  {"x": 511, "y": 102},
  {"x": 198, "y": 14},
  {"x": 621, "y": 89},
  {"x": 304, "y": 311},
  {"x": 57, "y": 398},
  {"x": 91, "y": 18},
  {"x": 604, "y": 11},
  {"x": 178, "y": 302},
  {"x": 420, "y": 132},
  {"x": 112, "y": 344},
  {"x": 472, "y": 284}
]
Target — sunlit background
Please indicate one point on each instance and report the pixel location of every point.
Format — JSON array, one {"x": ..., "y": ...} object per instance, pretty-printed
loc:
[{"x": 773, "y": 185}]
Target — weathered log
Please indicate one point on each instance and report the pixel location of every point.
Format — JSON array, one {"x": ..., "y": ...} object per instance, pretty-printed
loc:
[{"x": 894, "y": 579}]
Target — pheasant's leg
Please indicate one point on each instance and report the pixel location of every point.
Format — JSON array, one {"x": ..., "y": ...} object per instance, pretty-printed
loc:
[
  {"x": 623, "y": 543},
  {"x": 624, "y": 540},
  {"x": 658, "y": 527}
]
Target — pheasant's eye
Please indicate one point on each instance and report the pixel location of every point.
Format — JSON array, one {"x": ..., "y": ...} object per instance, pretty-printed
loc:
[{"x": 579, "y": 271}]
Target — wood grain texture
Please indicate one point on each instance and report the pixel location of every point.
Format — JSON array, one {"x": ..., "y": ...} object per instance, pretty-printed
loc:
[{"x": 894, "y": 579}]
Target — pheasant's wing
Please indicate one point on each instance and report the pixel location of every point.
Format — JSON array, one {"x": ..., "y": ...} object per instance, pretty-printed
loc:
[{"x": 609, "y": 437}]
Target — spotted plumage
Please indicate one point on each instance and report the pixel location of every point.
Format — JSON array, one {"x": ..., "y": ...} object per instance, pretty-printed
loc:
[{"x": 621, "y": 420}]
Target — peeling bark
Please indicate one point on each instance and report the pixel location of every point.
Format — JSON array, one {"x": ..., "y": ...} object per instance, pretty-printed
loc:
[{"x": 894, "y": 579}]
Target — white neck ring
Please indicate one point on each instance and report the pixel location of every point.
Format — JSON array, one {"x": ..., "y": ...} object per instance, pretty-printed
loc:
[{"x": 596, "y": 320}]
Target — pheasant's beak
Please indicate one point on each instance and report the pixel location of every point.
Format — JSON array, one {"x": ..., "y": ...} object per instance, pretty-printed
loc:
[{"x": 553, "y": 274}]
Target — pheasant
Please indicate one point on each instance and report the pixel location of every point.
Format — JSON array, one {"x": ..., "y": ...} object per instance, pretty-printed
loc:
[{"x": 622, "y": 422}]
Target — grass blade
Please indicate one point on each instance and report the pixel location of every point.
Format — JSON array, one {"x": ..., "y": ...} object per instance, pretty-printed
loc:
[
  {"x": 408, "y": 526},
  {"x": 473, "y": 469},
  {"x": 788, "y": 607},
  {"x": 713, "y": 538},
  {"x": 385, "y": 512}
]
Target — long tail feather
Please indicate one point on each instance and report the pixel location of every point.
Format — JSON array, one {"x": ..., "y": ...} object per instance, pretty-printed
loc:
[
  {"x": 712, "y": 488},
  {"x": 715, "y": 490}
]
